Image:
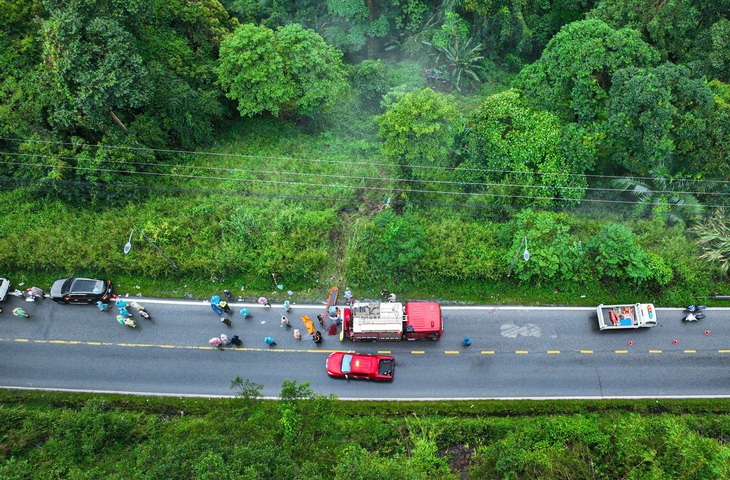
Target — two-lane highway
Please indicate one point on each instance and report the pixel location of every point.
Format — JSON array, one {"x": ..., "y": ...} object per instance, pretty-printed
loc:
[{"x": 517, "y": 352}]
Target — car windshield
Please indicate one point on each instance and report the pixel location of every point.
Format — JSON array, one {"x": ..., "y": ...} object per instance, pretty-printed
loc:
[
  {"x": 346, "y": 361},
  {"x": 67, "y": 286}
]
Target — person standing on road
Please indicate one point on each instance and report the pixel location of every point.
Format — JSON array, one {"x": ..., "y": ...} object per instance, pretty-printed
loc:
[
  {"x": 227, "y": 321},
  {"x": 317, "y": 337},
  {"x": 285, "y": 322},
  {"x": 216, "y": 342},
  {"x": 19, "y": 312},
  {"x": 223, "y": 305},
  {"x": 297, "y": 334},
  {"x": 269, "y": 341},
  {"x": 264, "y": 302},
  {"x": 467, "y": 341}
]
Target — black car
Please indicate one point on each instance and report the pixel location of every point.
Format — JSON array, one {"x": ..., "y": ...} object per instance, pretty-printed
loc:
[{"x": 81, "y": 290}]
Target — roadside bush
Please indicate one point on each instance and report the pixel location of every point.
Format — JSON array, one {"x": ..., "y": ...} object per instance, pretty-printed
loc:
[
  {"x": 615, "y": 255},
  {"x": 390, "y": 247},
  {"x": 461, "y": 249},
  {"x": 554, "y": 257}
]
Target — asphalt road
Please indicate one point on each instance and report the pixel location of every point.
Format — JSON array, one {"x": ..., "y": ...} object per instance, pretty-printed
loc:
[{"x": 517, "y": 352}]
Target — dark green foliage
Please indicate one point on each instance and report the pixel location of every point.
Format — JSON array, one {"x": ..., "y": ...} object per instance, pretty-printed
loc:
[
  {"x": 614, "y": 254},
  {"x": 573, "y": 76},
  {"x": 52, "y": 435},
  {"x": 657, "y": 114},
  {"x": 369, "y": 82},
  {"x": 516, "y": 155}
]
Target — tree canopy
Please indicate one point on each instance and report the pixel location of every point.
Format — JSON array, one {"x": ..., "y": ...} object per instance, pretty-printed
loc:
[
  {"x": 572, "y": 78},
  {"x": 287, "y": 71},
  {"x": 516, "y": 154},
  {"x": 659, "y": 116}
]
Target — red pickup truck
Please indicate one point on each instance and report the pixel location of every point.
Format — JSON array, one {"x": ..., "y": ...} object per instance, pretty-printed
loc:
[{"x": 360, "y": 365}]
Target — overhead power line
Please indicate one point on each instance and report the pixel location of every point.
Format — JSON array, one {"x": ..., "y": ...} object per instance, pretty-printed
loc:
[
  {"x": 369, "y": 187},
  {"x": 345, "y": 163},
  {"x": 282, "y": 174}
]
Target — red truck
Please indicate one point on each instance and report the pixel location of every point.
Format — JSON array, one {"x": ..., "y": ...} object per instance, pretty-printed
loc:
[{"x": 380, "y": 321}]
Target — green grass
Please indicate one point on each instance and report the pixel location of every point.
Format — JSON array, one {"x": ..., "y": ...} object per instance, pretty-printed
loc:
[{"x": 51, "y": 435}]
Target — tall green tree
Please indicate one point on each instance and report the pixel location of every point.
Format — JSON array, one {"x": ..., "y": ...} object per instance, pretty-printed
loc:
[
  {"x": 572, "y": 78},
  {"x": 290, "y": 71},
  {"x": 716, "y": 164},
  {"x": 417, "y": 132},
  {"x": 517, "y": 156},
  {"x": 669, "y": 26},
  {"x": 515, "y": 32},
  {"x": 417, "y": 129},
  {"x": 656, "y": 114},
  {"x": 95, "y": 61}
]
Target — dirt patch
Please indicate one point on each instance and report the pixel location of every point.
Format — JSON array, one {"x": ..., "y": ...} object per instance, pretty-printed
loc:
[{"x": 459, "y": 458}]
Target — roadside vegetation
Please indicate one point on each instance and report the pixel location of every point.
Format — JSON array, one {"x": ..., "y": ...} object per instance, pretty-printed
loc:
[
  {"x": 418, "y": 146},
  {"x": 307, "y": 436}
]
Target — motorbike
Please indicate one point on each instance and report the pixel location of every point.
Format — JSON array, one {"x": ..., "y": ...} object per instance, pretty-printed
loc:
[
  {"x": 141, "y": 310},
  {"x": 126, "y": 321},
  {"x": 694, "y": 313}
]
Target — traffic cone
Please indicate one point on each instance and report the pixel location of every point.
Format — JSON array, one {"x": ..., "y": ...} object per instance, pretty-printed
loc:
[
  {"x": 707, "y": 332},
  {"x": 631, "y": 342},
  {"x": 675, "y": 341}
]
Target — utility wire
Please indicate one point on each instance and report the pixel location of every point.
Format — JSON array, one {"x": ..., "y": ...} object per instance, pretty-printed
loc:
[
  {"x": 393, "y": 189},
  {"x": 345, "y": 163},
  {"x": 303, "y": 198},
  {"x": 320, "y": 175}
]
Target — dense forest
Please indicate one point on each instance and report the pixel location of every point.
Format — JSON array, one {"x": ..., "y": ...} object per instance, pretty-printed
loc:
[{"x": 378, "y": 142}]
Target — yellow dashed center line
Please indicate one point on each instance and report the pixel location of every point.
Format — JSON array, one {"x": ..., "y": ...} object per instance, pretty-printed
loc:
[{"x": 269, "y": 349}]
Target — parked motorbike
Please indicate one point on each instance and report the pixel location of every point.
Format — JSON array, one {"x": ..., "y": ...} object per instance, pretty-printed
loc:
[
  {"x": 694, "y": 313},
  {"x": 141, "y": 310},
  {"x": 126, "y": 321}
]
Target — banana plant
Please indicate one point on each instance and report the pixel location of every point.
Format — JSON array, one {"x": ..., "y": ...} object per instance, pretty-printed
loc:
[{"x": 460, "y": 60}]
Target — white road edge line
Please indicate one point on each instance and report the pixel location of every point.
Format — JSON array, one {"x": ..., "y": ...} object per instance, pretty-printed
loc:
[{"x": 386, "y": 399}]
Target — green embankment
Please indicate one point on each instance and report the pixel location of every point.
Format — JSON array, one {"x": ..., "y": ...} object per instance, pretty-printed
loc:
[{"x": 49, "y": 435}]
